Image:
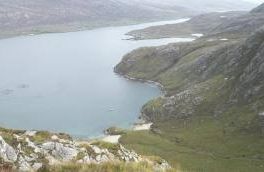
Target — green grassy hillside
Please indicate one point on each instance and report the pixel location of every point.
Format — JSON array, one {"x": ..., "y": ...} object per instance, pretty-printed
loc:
[{"x": 211, "y": 118}]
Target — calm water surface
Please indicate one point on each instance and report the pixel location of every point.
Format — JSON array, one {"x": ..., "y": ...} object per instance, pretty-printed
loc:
[{"x": 64, "y": 82}]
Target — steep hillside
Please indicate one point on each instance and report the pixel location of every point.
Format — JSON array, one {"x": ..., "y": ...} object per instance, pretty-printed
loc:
[
  {"x": 187, "y": 68},
  {"x": 213, "y": 107},
  {"x": 211, "y": 117},
  {"x": 239, "y": 26}
]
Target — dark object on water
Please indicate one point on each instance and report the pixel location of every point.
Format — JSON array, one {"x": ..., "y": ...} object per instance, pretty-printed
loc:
[
  {"x": 7, "y": 92},
  {"x": 23, "y": 86}
]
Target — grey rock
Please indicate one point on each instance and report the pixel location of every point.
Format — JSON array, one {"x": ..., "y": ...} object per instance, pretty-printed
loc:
[
  {"x": 63, "y": 152},
  {"x": 30, "y": 133},
  {"x": 97, "y": 150},
  {"x": 23, "y": 165},
  {"x": 60, "y": 151},
  {"x": 32, "y": 145},
  {"x": 86, "y": 159},
  {"x": 7, "y": 152},
  {"x": 37, "y": 166},
  {"x": 98, "y": 158}
]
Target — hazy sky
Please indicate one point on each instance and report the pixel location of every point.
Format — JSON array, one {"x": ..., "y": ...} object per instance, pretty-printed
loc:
[{"x": 256, "y": 1}]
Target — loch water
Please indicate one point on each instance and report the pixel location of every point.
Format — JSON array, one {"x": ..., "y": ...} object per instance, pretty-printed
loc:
[{"x": 64, "y": 82}]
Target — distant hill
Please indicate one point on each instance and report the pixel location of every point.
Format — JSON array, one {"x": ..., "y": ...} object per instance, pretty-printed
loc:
[
  {"x": 202, "y": 5},
  {"x": 36, "y": 16},
  {"x": 230, "y": 23}
]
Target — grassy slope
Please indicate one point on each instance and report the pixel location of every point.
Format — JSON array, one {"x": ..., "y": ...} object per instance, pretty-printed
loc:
[
  {"x": 107, "y": 167},
  {"x": 231, "y": 142},
  {"x": 204, "y": 143},
  {"x": 215, "y": 135}
]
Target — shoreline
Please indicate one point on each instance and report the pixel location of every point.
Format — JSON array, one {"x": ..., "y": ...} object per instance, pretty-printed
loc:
[
  {"x": 136, "y": 126},
  {"x": 159, "y": 85},
  {"x": 114, "y": 138},
  {"x": 146, "y": 125},
  {"x": 26, "y": 33}
]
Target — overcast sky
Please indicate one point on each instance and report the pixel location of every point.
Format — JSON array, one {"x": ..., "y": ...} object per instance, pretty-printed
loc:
[{"x": 256, "y": 1}]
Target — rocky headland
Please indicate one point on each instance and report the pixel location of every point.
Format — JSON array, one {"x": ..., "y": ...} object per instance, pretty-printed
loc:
[{"x": 212, "y": 111}]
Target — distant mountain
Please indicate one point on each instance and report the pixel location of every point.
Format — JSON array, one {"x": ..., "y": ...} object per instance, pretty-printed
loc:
[
  {"x": 202, "y": 5},
  {"x": 27, "y": 16},
  {"x": 24, "y": 13}
]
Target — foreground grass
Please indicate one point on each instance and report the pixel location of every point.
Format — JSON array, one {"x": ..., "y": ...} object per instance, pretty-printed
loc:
[
  {"x": 107, "y": 167},
  {"x": 201, "y": 145}
]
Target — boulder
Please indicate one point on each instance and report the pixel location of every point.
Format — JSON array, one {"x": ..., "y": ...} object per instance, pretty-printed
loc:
[
  {"x": 7, "y": 152},
  {"x": 32, "y": 145},
  {"x": 96, "y": 149},
  {"x": 30, "y": 133},
  {"x": 54, "y": 137},
  {"x": 23, "y": 165},
  {"x": 59, "y": 151},
  {"x": 37, "y": 166}
]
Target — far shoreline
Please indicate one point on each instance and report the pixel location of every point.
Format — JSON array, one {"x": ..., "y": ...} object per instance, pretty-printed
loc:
[{"x": 43, "y": 30}]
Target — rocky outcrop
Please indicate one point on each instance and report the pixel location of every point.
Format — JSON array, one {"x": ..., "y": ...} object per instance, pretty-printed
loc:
[
  {"x": 128, "y": 155},
  {"x": 64, "y": 152},
  {"x": 7, "y": 153},
  {"x": 32, "y": 150}
]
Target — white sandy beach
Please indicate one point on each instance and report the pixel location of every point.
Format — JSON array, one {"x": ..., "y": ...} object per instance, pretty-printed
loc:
[
  {"x": 140, "y": 127},
  {"x": 111, "y": 139}
]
